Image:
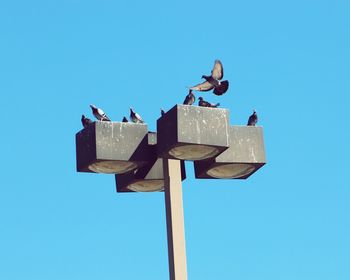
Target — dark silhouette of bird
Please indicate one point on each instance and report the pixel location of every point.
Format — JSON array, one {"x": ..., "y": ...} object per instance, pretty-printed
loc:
[
  {"x": 204, "y": 103},
  {"x": 135, "y": 117},
  {"x": 162, "y": 112},
  {"x": 253, "y": 119},
  {"x": 99, "y": 114},
  {"x": 213, "y": 81},
  {"x": 190, "y": 98},
  {"x": 85, "y": 121},
  {"x": 125, "y": 119}
]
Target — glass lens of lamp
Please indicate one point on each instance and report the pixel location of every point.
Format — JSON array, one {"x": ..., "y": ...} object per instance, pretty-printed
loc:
[
  {"x": 231, "y": 170},
  {"x": 147, "y": 186},
  {"x": 193, "y": 152},
  {"x": 112, "y": 166}
]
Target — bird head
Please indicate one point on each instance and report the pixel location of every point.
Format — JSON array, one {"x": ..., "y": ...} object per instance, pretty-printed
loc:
[{"x": 200, "y": 98}]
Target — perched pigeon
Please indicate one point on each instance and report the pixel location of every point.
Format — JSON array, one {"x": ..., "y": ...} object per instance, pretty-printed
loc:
[
  {"x": 204, "y": 103},
  {"x": 213, "y": 81},
  {"x": 125, "y": 119},
  {"x": 135, "y": 117},
  {"x": 190, "y": 98},
  {"x": 162, "y": 112},
  {"x": 99, "y": 114},
  {"x": 85, "y": 121},
  {"x": 253, "y": 119}
]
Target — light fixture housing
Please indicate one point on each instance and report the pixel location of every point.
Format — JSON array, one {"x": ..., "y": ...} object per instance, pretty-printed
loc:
[
  {"x": 245, "y": 156},
  {"x": 150, "y": 177},
  {"x": 192, "y": 132},
  {"x": 112, "y": 147}
]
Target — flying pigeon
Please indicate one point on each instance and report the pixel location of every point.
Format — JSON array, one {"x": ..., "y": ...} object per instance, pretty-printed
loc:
[
  {"x": 213, "y": 81},
  {"x": 99, "y": 114},
  {"x": 125, "y": 119},
  {"x": 135, "y": 117},
  {"x": 162, "y": 112},
  {"x": 85, "y": 121},
  {"x": 253, "y": 119},
  {"x": 190, "y": 98},
  {"x": 204, "y": 103}
]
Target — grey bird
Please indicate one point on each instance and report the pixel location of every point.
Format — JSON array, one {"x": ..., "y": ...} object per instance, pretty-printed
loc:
[
  {"x": 162, "y": 112},
  {"x": 213, "y": 81},
  {"x": 135, "y": 117},
  {"x": 204, "y": 103},
  {"x": 99, "y": 114},
  {"x": 125, "y": 119},
  {"x": 253, "y": 119},
  {"x": 85, "y": 121},
  {"x": 190, "y": 98}
]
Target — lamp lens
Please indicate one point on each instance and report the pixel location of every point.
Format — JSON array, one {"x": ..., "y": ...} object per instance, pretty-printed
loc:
[
  {"x": 230, "y": 171},
  {"x": 147, "y": 186},
  {"x": 112, "y": 166},
  {"x": 193, "y": 152}
]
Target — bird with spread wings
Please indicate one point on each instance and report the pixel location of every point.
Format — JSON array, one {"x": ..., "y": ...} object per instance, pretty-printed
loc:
[{"x": 213, "y": 81}]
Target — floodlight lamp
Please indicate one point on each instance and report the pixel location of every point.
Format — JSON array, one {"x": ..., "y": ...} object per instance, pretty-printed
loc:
[
  {"x": 112, "y": 147},
  {"x": 245, "y": 155},
  {"x": 192, "y": 133},
  {"x": 231, "y": 171},
  {"x": 147, "y": 186},
  {"x": 194, "y": 152},
  {"x": 112, "y": 166}
]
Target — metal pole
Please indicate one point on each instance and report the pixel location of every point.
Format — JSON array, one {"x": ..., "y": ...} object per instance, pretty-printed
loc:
[{"x": 175, "y": 219}]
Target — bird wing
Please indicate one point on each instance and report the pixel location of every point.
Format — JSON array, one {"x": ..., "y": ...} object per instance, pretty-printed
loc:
[
  {"x": 222, "y": 88},
  {"x": 100, "y": 112},
  {"x": 189, "y": 100},
  {"x": 203, "y": 86},
  {"x": 205, "y": 104},
  {"x": 138, "y": 117},
  {"x": 218, "y": 71},
  {"x": 250, "y": 120},
  {"x": 106, "y": 118},
  {"x": 103, "y": 115}
]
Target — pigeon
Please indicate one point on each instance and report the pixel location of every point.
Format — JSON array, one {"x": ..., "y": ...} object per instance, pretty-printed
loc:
[
  {"x": 135, "y": 117},
  {"x": 99, "y": 114},
  {"x": 253, "y": 119},
  {"x": 213, "y": 81},
  {"x": 190, "y": 98},
  {"x": 85, "y": 121},
  {"x": 204, "y": 103},
  {"x": 125, "y": 119},
  {"x": 162, "y": 112}
]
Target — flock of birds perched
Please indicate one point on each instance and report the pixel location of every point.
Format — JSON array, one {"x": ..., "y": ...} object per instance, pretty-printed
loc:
[{"x": 211, "y": 82}]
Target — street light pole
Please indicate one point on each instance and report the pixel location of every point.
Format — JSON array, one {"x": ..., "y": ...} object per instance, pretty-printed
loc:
[
  {"x": 146, "y": 161},
  {"x": 175, "y": 219}
]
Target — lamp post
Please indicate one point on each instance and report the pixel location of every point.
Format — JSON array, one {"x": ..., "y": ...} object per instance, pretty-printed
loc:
[{"x": 147, "y": 161}]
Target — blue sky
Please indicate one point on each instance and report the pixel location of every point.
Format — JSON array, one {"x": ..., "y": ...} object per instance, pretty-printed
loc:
[{"x": 287, "y": 59}]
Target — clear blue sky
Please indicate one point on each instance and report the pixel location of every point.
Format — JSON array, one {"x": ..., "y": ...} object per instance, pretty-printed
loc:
[{"x": 287, "y": 59}]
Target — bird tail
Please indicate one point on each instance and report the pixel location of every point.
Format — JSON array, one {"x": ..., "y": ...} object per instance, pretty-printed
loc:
[{"x": 217, "y": 105}]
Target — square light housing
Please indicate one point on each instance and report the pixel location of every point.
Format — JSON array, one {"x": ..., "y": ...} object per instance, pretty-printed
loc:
[
  {"x": 245, "y": 156},
  {"x": 112, "y": 147},
  {"x": 193, "y": 133},
  {"x": 150, "y": 177}
]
